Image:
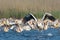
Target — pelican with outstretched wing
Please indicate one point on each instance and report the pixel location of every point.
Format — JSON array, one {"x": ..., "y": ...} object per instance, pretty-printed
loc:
[{"x": 51, "y": 20}]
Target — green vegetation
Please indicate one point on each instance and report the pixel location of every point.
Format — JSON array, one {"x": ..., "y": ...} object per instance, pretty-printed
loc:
[
  {"x": 56, "y": 14},
  {"x": 20, "y": 14}
]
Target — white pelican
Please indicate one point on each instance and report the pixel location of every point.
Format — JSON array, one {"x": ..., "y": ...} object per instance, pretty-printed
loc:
[
  {"x": 52, "y": 20},
  {"x": 28, "y": 18}
]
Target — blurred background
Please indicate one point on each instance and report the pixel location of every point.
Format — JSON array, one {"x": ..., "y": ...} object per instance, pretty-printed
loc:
[{"x": 19, "y": 8}]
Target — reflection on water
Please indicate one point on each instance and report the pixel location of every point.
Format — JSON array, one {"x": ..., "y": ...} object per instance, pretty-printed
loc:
[{"x": 50, "y": 34}]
